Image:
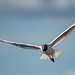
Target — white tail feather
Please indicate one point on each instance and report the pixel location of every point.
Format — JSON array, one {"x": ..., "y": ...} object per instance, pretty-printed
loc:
[
  {"x": 56, "y": 53},
  {"x": 44, "y": 57}
]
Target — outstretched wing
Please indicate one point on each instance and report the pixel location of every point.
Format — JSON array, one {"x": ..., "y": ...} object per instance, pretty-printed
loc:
[
  {"x": 21, "y": 45},
  {"x": 62, "y": 36}
]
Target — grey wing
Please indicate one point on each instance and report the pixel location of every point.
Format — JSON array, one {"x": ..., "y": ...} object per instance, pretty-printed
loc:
[
  {"x": 21, "y": 45},
  {"x": 62, "y": 35}
]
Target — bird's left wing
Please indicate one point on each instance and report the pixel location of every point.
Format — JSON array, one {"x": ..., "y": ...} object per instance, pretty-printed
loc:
[
  {"x": 62, "y": 35},
  {"x": 21, "y": 45}
]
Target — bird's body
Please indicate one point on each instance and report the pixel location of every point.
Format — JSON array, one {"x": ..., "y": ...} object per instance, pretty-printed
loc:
[{"x": 48, "y": 51}]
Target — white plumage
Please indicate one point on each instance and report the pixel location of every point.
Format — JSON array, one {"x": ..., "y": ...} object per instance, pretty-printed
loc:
[{"x": 48, "y": 51}]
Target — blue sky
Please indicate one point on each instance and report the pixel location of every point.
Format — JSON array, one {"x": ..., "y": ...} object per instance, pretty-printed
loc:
[{"x": 36, "y": 29}]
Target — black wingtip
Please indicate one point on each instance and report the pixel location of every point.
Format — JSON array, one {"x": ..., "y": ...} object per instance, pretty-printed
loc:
[{"x": 52, "y": 59}]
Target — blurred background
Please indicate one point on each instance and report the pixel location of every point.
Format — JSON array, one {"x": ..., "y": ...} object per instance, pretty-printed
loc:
[{"x": 36, "y": 22}]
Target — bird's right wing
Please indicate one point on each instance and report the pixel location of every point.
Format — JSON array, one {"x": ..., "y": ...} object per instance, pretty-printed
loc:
[
  {"x": 21, "y": 45},
  {"x": 62, "y": 36}
]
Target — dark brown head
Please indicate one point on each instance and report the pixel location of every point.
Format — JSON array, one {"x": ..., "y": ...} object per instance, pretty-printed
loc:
[{"x": 44, "y": 47}]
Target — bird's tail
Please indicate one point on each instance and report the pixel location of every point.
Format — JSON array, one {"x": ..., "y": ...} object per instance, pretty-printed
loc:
[
  {"x": 52, "y": 56},
  {"x": 56, "y": 53}
]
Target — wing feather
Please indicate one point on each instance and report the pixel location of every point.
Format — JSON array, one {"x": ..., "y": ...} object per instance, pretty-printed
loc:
[
  {"x": 62, "y": 35},
  {"x": 21, "y": 45}
]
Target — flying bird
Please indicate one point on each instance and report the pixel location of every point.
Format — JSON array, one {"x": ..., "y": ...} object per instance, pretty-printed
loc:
[{"x": 47, "y": 49}]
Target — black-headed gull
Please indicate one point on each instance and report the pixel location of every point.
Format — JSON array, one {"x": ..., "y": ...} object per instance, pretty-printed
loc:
[{"x": 48, "y": 51}]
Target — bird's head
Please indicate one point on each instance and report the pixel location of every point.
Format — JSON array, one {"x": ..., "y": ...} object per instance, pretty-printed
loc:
[{"x": 44, "y": 47}]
